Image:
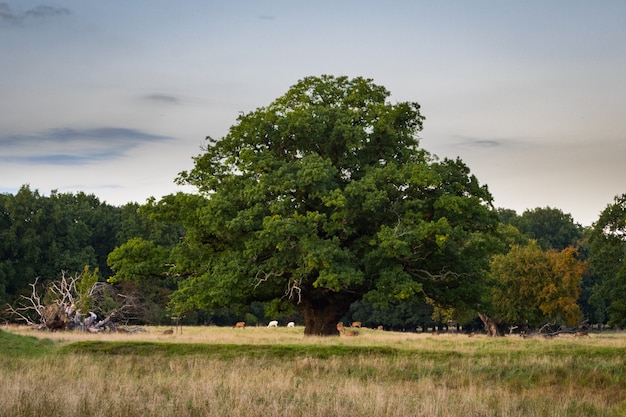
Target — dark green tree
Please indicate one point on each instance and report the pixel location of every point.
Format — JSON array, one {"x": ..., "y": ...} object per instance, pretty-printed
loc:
[
  {"x": 607, "y": 242},
  {"x": 325, "y": 196},
  {"x": 550, "y": 227},
  {"x": 141, "y": 261},
  {"x": 41, "y": 236}
]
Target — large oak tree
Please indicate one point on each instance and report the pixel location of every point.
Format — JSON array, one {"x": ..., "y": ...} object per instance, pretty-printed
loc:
[{"x": 324, "y": 197}]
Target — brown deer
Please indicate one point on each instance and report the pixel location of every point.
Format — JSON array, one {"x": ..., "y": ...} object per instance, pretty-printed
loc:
[
  {"x": 240, "y": 325},
  {"x": 340, "y": 327}
]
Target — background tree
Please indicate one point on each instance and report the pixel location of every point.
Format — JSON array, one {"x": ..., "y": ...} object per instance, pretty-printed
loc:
[
  {"x": 533, "y": 286},
  {"x": 142, "y": 263},
  {"x": 41, "y": 236},
  {"x": 325, "y": 196},
  {"x": 550, "y": 227},
  {"x": 144, "y": 266},
  {"x": 607, "y": 243}
]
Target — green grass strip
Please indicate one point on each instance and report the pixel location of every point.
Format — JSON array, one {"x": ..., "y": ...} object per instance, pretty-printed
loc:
[
  {"x": 221, "y": 351},
  {"x": 13, "y": 345}
]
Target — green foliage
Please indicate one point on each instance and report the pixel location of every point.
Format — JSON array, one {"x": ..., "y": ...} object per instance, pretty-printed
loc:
[
  {"x": 325, "y": 196},
  {"x": 84, "y": 285},
  {"x": 41, "y": 236},
  {"x": 550, "y": 227},
  {"x": 607, "y": 242},
  {"x": 137, "y": 261}
]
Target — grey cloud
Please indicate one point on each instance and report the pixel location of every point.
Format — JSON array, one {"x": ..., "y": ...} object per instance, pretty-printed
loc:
[
  {"x": 108, "y": 133},
  {"x": 73, "y": 146},
  {"x": 162, "y": 98},
  {"x": 45, "y": 11},
  {"x": 38, "y": 12},
  {"x": 466, "y": 142},
  {"x": 6, "y": 13}
]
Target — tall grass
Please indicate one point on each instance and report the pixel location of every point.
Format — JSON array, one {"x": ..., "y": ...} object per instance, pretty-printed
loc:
[{"x": 278, "y": 372}]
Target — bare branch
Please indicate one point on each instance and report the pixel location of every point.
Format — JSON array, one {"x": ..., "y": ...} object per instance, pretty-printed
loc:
[
  {"x": 266, "y": 276},
  {"x": 440, "y": 276},
  {"x": 294, "y": 288}
]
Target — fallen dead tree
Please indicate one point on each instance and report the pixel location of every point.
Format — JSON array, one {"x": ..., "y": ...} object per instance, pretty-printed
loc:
[
  {"x": 550, "y": 330},
  {"x": 60, "y": 305}
]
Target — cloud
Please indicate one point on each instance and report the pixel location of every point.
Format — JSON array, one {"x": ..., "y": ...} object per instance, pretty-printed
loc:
[
  {"x": 37, "y": 12},
  {"x": 162, "y": 98},
  {"x": 73, "y": 146},
  {"x": 46, "y": 11},
  {"x": 478, "y": 143}
]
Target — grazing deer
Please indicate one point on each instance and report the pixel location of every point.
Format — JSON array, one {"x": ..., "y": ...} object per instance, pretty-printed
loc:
[{"x": 240, "y": 325}]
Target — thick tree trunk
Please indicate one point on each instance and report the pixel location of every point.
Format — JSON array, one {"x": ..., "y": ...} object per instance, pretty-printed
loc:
[
  {"x": 322, "y": 310},
  {"x": 491, "y": 326}
]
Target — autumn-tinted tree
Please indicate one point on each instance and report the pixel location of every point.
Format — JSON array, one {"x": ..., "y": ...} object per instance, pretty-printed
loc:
[
  {"x": 608, "y": 261},
  {"x": 325, "y": 196},
  {"x": 533, "y": 286}
]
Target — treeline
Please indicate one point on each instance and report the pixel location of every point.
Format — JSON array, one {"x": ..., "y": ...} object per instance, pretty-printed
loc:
[
  {"x": 43, "y": 236},
  {"x": 547, "y": 268}
]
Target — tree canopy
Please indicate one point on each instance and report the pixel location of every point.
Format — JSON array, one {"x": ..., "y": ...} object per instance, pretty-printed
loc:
[
  {"x": 550, "y": 227},
  {"x": 325, "y": 197},
  {"x": 533, "y": 286},
  {"x": 608, "y": 260},
  {"x": 41, "y": 236}
]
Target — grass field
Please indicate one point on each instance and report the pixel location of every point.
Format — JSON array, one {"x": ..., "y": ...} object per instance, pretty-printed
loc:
[{"x": 210, "y": 371}]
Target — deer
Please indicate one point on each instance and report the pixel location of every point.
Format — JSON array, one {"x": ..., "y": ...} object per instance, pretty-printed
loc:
[{"x": 340, "y": 327}]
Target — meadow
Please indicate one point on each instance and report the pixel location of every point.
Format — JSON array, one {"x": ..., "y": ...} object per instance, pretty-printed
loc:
[{"x": 211, "y": 371}]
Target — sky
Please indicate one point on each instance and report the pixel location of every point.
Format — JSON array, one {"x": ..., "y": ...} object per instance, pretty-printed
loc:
[{"x": 114, "y": 98}]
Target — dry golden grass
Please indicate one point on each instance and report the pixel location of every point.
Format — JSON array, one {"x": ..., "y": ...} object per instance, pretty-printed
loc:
[
  {"x": 443, "y": 376},
  {"x": 295, "y": 335}
]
